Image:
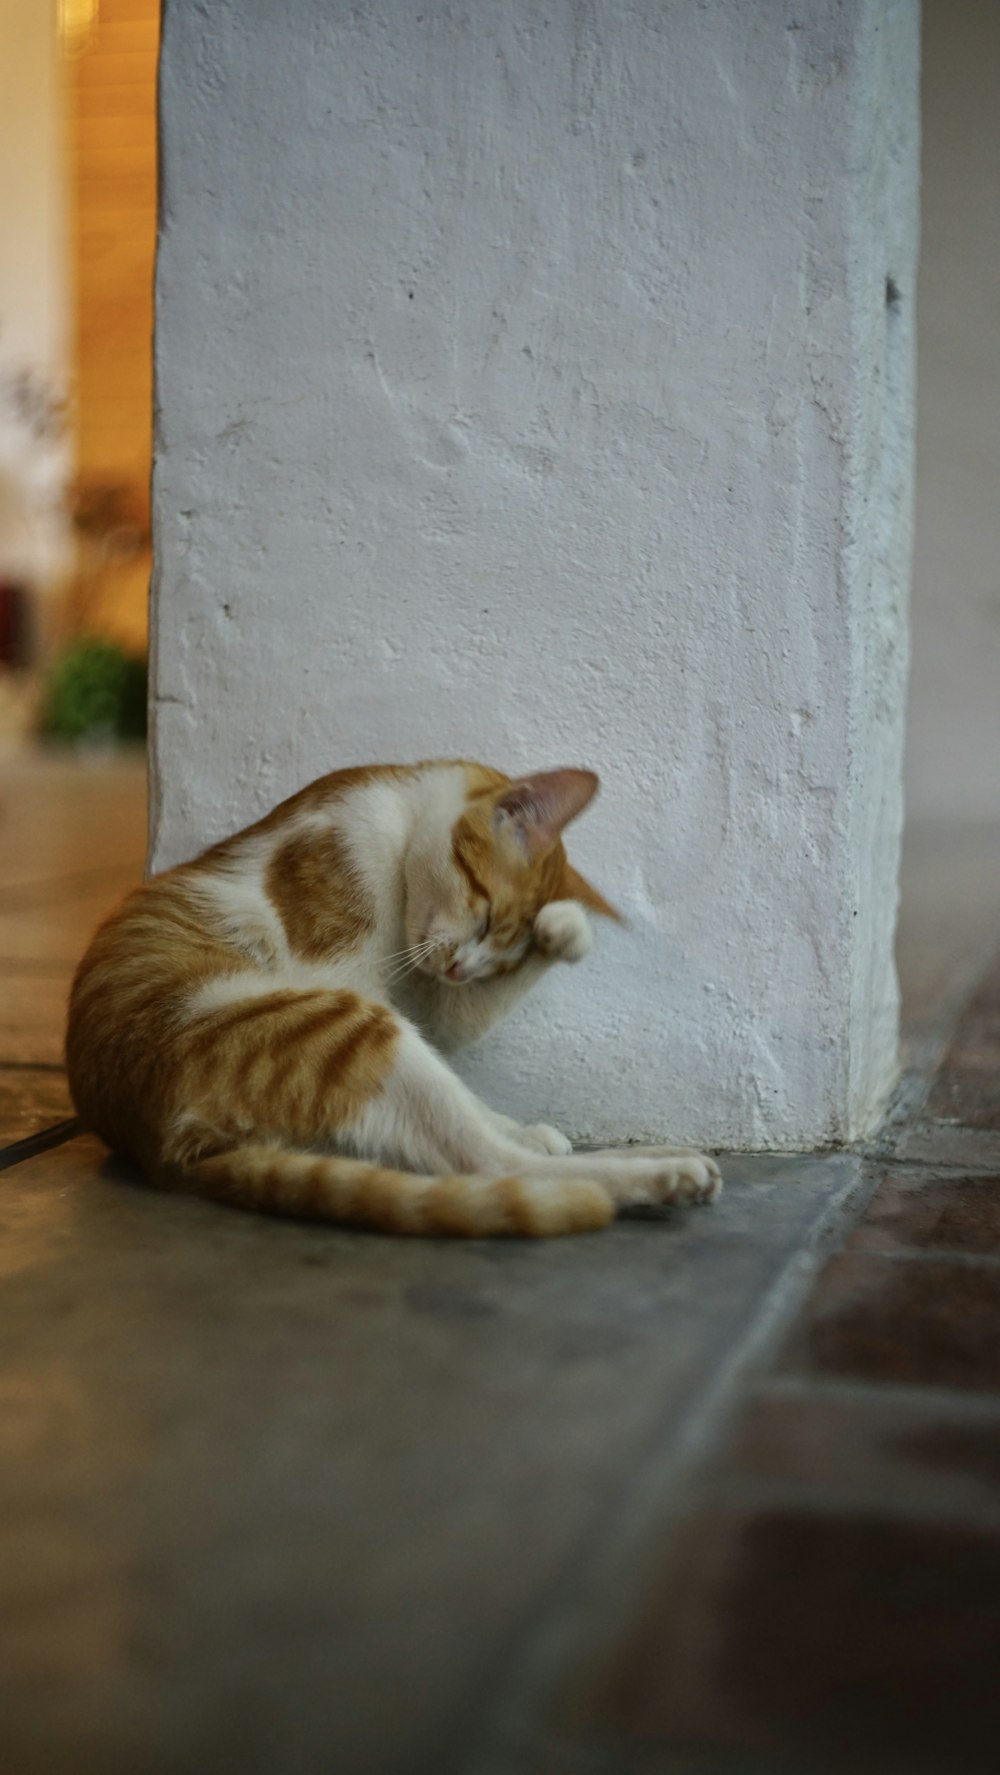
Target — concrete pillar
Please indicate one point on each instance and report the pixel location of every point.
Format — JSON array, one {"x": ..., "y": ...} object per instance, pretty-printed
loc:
[{"x": 535, "y": 383}]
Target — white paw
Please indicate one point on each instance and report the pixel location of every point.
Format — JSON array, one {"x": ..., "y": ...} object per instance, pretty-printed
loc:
[
  {"x": 562, "y": 931},
  {"x": 707, "y": 1184},
  {"x": 689, "y": 1177},
  {"x": 540, "y": 1138}
]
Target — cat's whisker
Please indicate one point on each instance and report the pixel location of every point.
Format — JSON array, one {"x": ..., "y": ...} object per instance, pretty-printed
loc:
[
  {"x": 411, "y": 948},
  {"x": 422, "y": 948},
  {"x": 399, "y": 953},
  {"x": 408, "y": 959},
  {"x": 405, "y": 967},
  {"x": 413, "y": 959}
]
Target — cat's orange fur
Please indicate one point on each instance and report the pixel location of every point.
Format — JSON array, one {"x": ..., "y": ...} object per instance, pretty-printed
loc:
[{"x": 263, "y": 1024}]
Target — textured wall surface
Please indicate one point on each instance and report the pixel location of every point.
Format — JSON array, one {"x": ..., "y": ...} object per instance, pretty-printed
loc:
[{"x": 528, "y": 389}]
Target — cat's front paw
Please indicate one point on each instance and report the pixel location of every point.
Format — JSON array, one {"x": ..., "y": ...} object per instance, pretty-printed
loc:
[
  {"x": 540, "y": 1138},
  {"x": 562, "y": 932},
  {"x": 674, "y": 1177}
]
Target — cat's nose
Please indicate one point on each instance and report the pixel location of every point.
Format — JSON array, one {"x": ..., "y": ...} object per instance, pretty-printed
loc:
[{"x": 456, "y": 972}]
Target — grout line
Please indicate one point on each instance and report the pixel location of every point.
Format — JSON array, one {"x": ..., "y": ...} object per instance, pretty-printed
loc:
[
  {"x": 976, "y": 1260},
  {"x": 598, "y": 1589},
  {"x": 974, "y": 1165},
  {"x": 34, "y": 968},
  {"x": 55, "y": 890},
  {"x": 810, "y": 1388},
  {"x": 604, "y": 1580},
  {"x": 32, "y": 1066},
  {"x": 42, "y": 1142},
  {"x": 963, "y": 1499}
]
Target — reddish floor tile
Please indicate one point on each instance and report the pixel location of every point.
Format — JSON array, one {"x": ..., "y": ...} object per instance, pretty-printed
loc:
[
  {"x": 805, "y": 1640},
  {"x": 955, "y": 1213},
  {"x": 918, "y": 1322},
  {"x": 967, "y": 1088},
  {"x": 928, "y": 1454},
  {"x": 969, "y": 1091},
  {"x": 948, "y": 1143},
  {"x": 987, "y": 1000}
]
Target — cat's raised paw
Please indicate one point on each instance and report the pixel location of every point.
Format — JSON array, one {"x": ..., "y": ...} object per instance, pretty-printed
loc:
[
  {"x": 561, "y": 930},
  {"x": 540, "y": 1138}
]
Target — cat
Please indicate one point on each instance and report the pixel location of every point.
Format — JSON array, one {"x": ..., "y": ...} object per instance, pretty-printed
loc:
[{"x": 266, "y": 1025}]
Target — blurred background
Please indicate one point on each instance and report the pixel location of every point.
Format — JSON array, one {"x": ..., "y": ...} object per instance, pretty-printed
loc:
[
  {"x": 78, "y": 205},
  {"x": 78, "y": 210}
]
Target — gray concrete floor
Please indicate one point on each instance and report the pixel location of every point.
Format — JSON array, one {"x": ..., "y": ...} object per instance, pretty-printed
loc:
[{"x": 284, "y": 1498}]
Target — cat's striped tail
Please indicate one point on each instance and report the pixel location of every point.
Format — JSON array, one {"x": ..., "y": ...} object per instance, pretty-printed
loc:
[{"x": 273, "y": 1179}]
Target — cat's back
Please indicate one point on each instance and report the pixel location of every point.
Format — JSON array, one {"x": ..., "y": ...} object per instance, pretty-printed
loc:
[
  {"x": 128, "y": 994},
  {"x": 306, "y": 894},
  {"x": 229, "y": 907},
  {"x": 280, "y": 894}
]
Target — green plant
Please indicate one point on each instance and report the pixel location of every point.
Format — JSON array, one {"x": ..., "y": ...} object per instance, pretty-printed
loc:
[{"x": 94, "y": 690}]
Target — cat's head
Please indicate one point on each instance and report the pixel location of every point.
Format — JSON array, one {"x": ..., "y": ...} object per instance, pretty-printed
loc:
[{"x": 472, "y": 903}]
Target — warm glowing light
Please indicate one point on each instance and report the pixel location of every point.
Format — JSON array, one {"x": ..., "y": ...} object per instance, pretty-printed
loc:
[{"x": 77, "y": 24}]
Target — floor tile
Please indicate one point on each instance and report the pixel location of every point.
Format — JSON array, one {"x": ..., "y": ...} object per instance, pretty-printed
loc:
[
  {"x": 930, "y": 1454},
  {"x": 30, "y": 1100},
  {"x": 967, "y": 1087},
  {"x": 803, "y": 1640},
  {"x": 60, "y": 815},
  {"x": 248, "y": 1453},
  {"x": 948, "y": 917},
  {"x": 948, "y": 1143},
  {"x": 934, "y": 1213},
  {"x": 57, "y": 932},
  {"x": 33, "y": 1017},
  {"x": 909, "y": 1320}
]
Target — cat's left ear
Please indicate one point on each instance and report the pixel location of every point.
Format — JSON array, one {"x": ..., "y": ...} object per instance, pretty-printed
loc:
[
  {"x": 537, "y": 808},
  {"x": 574, "y": 887}
]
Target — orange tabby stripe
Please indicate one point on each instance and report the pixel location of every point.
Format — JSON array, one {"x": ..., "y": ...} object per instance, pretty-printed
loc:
[
  {"x": 289, "y": 1078},
  {"x": 272, "y": 1180},
  {"x": 214, "y": 1027},
  {"x": 290, "y": 1061},
  {"x": 357, "y": 1065}
]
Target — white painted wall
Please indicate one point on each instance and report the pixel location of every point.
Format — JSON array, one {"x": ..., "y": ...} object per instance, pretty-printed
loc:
[{"x": 526, "y": 389}]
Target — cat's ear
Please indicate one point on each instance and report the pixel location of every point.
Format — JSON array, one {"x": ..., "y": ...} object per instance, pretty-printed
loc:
[
  {"x": 536, "y": 809},
  {"x": 575, "y": 887}
]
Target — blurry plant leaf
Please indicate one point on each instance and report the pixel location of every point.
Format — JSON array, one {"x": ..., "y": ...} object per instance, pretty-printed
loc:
[{"x": 94, "y": 690}]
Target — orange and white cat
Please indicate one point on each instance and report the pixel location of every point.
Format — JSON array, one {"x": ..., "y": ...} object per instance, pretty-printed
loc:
[{"x": 265, "y": 1025}]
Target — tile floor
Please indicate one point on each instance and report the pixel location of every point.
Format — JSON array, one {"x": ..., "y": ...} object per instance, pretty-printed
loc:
[{"x": 714, "y": 1493}]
